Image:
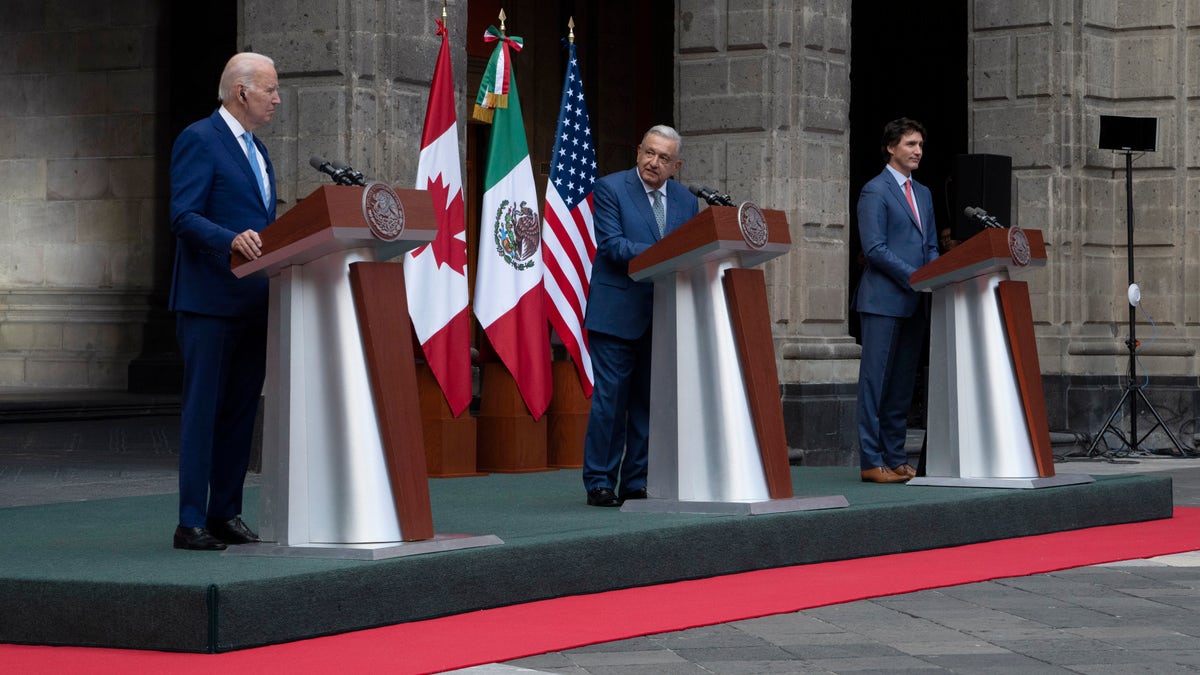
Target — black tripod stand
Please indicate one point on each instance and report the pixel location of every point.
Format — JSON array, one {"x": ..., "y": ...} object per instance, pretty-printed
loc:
[{"x": 1133, "y": 390}]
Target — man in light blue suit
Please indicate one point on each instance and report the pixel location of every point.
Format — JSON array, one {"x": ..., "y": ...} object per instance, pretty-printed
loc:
[
  {"x": 222, "y": 195},
  {"x": 896, "y": 225},
  {"x": 635, "y": 208}
]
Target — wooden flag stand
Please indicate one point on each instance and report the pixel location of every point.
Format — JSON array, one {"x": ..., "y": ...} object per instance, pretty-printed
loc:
[
  {"x": 449, "y": 440},
  {"x": 567, "y": 417}
]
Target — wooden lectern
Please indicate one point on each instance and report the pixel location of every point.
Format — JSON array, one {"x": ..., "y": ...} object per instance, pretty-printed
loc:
[
  {"x": 343, "y": 454},
  {"x": 717, "y": 439},
  {"x": 987, "y": 411}
]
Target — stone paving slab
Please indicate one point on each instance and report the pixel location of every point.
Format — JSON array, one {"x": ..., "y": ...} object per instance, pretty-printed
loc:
[{"x": 1127, "y": 617}]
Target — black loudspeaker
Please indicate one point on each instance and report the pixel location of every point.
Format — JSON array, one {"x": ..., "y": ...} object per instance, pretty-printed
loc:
[
  {"x": 983, "y": 182},
  {"x": 1134, "y": 134}
]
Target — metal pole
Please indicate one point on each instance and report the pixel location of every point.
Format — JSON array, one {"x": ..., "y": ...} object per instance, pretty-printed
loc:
[{"x": 1132, "y": 343}]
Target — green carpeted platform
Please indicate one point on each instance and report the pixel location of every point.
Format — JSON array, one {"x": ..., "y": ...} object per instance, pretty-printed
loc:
[{"x": 103, "y": 573}]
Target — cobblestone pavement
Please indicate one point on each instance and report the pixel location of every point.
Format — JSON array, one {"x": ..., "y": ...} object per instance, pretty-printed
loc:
[{"x": 1140, "y": 616}]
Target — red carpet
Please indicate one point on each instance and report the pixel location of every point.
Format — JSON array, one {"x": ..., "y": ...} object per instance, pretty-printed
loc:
[{"x": 553, "y": 625}]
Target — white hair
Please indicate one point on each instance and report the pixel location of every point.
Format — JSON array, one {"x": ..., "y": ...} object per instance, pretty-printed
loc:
[
  {"x": 241, "y": 69},
  {"x": 667, "y": 133}
]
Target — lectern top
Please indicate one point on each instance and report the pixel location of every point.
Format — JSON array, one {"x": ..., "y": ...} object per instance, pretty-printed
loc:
[
  {"x": 991, "y": 249},
  {"x": 331, "y": 219},
  {"x": 715, "y": 232}
]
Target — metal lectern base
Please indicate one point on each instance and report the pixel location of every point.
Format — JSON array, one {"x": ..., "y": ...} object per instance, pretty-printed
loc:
[
  {"x": 654, "y": 505},
  {"x": 380, "y": 551},
  {"x": 1015, "y": 483}
]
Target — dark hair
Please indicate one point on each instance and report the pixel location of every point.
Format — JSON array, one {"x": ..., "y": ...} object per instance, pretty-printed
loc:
[{"x": 895, "y": 130}]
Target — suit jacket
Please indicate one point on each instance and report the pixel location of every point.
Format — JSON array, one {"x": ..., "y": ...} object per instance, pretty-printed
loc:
[
  {"x": 214, "y": 196},
  {"x": 893, "y": 244},
  {"x": 625, "y": 226}
]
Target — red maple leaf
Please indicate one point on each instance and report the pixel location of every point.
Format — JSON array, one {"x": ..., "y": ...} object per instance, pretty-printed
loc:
[{"x": 448, "y": 248}]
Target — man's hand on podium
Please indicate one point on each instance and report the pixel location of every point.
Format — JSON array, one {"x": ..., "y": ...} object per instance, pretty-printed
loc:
[{"x": 248, "y": 244}]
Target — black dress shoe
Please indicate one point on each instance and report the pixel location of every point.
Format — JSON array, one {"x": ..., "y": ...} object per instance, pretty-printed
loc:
[
  {"x": 640, "y": 493},
  {"x": 602, "y": 497},
  {"x": 232, "y": 531},
  {"x": 197, "y": 539}
]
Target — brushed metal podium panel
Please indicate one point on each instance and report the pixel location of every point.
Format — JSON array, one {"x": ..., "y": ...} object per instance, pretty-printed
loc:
[
  {"x": 325, "y": 472},
  {"x": 702, "y": 442},
  {"x": 977, "y": 425}
]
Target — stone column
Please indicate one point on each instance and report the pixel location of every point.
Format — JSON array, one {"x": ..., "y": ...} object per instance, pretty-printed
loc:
[
  {"x": 354, "y": 81},
  {"x": 763, "y": 103},
  {"x": 1042, "y": 73}
]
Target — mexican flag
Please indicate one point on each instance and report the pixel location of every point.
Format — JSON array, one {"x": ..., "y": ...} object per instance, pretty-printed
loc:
[
  {"x": 436, "y": 273},
  {"x": 508, "y": 281}
]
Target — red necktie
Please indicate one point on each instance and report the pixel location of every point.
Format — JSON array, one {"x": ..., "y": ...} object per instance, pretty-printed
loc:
[{"x": 911, "y": 204}]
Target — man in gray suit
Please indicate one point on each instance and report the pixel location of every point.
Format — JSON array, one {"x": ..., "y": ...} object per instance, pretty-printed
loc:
[
  {"x": 635, "y": 208},
  {"x": 898, "y": 233}
]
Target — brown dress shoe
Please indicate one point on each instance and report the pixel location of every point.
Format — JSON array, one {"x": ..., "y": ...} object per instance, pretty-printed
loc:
[
  {"x": 882, "y": 474},
  {"x": 905, "y": 470}
]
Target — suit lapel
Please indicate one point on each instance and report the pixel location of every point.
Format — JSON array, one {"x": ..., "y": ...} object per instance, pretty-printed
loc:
[
  {"x": 637, "y": 194},
  {"x": 897, "y": 193},
  {"x": 675, "y": 210},
  {"x": 233, "y": 146}
]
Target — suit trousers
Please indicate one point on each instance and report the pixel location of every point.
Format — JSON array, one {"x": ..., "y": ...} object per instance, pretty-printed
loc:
[
  {"x": 224, "y": 363},
  {"x": 887, "y": 373},
  {"x": 618, "y": 431}
]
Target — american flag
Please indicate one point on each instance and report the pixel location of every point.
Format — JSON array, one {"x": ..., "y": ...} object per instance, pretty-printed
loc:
[{"x": 569, "y": 241}]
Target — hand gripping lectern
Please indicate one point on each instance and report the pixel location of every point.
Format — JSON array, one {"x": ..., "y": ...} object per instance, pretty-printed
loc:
[
  {"x": 717, "y": 440},
  {"x": 987, "y": 411},
  {"x": 343, "y": 453}
]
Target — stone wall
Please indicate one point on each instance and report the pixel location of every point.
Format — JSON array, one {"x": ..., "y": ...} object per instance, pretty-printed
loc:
[
  {"x": 78, "y": 202},
  {"x": 763, "y": 102},
  {"x": 1042, "y": 72},
  {"x": 354, "y": 81}
]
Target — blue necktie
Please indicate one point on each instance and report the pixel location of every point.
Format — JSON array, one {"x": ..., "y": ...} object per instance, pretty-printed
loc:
[
  {"x": 252, "y": 155},
  {"x": 660, "y": 213}
]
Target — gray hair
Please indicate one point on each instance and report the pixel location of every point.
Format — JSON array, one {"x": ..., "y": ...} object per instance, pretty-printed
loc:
[
  {"x": 241, "y": 69},
  {"x": 667, "y": 133}
]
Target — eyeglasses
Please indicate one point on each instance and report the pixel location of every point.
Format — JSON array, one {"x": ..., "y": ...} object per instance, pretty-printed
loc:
[{"x": 651, "y": 156}]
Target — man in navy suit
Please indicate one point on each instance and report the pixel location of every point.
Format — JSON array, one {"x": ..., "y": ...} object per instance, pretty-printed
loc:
[
  {"x": 634, "y": 209},
  {"x": 895, "y": 223},
  {"x": 222, "y": 195}
]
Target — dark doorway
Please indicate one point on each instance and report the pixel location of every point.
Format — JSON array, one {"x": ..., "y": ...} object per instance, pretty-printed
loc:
[
  {"x": 201, "y": 36},
  {"x": 907, "y": 60},
  {"x": 195, "y": 39}
]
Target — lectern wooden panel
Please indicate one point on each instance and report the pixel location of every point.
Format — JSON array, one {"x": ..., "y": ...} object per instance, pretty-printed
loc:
[
  {"x": 987, "y": 411},
  {"x": 394, "y": 384},
  {"x": 343, "y": 454},
  {"x": 716, "y": 421}
]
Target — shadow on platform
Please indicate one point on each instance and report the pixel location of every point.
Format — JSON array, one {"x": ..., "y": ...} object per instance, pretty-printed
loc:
[{"x": 103, "y": 573}]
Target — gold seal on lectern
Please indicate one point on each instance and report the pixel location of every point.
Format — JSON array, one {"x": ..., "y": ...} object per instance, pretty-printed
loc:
[
  {"x": 1018, "y": 246},
  {"x": 753, "y": 224},
  {"x": 383, "y": 211}
]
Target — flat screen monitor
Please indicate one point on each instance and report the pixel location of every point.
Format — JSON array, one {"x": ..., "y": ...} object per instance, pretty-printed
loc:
[{"x": 1133, "y": 134}]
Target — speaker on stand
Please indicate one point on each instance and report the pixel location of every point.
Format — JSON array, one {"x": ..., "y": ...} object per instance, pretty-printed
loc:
[{"x": 1129, "y": 135}]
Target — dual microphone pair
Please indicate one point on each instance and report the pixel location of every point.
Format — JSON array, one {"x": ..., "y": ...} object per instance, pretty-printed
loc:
[
  {"x": 983, "y": 217},
  {"x": 711, "y": 196},
  {"x": 341, "y": 174}
]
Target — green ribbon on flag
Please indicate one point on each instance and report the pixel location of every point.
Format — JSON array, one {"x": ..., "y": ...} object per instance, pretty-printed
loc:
[{"x": 493, "y": 89}]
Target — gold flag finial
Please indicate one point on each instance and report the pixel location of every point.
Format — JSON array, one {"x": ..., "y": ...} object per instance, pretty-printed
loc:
[
  {"x": 571, "y": 30},
  {"x": 502, "y": 18},
  {"x": 443, "y": 11}
]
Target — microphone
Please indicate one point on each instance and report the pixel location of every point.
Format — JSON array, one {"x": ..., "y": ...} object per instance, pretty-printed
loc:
[
  {"x": 351, "y": 176},
  {"x": 338, "y": 175},
  {"x": 711, "y": 196},
  {"x": 982, "y": 216}
]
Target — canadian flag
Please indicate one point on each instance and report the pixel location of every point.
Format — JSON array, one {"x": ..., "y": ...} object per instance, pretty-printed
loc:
[{"x": 436, "y": 274}]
